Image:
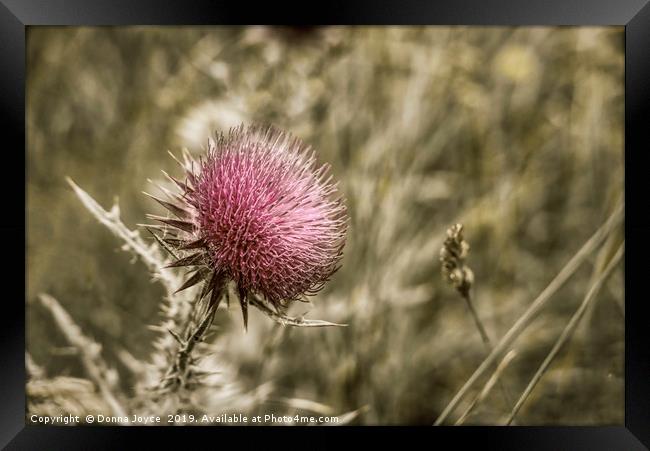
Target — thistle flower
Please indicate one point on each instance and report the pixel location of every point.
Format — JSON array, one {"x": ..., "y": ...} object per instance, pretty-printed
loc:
[{"x": 259, "y": 211}]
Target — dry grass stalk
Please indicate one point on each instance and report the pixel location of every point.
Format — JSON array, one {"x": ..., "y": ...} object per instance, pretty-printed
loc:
[
  {"x": 349, "y": 417},
  {"x": 567, "y": 332},
  {"x": 457, "y": 273},
  {"x": 488, "y": 386},
  {"x": 33, "y": 370},
  {"x": 89, "y": 353},
  {"x": 72, "y": 395},
  {"x": 525, "y": 319}
]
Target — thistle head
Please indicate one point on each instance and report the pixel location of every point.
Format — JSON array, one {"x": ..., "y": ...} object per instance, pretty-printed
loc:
[{"x": 258, "y": 210}]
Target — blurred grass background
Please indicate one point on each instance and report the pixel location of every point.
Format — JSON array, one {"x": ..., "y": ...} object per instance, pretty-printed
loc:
[{"x": 515, "y": 132}]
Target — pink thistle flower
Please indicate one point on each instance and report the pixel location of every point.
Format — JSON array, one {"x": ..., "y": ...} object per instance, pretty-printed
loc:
[{"x": 259, "y": 211}]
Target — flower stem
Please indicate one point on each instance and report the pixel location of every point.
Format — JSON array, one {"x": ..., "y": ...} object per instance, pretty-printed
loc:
[
  {"x": 486, "y": 341},
  {"x": 479, "y": 325}
]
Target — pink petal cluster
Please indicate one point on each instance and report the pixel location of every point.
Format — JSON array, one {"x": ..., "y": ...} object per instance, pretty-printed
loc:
[{"x": 270, "y": 217}]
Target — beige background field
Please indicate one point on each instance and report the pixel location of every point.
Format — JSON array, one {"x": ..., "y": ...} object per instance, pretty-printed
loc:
[{"x": 515, "y": 132}]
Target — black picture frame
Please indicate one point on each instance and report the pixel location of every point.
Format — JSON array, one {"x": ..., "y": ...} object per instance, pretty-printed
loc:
[{"x": 634, "y": 15}]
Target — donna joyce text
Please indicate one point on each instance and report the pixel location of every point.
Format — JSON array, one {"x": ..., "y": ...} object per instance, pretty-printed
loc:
[
  {"x": 141, "y": 419},
  {"x": 179, "y": 419}
]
